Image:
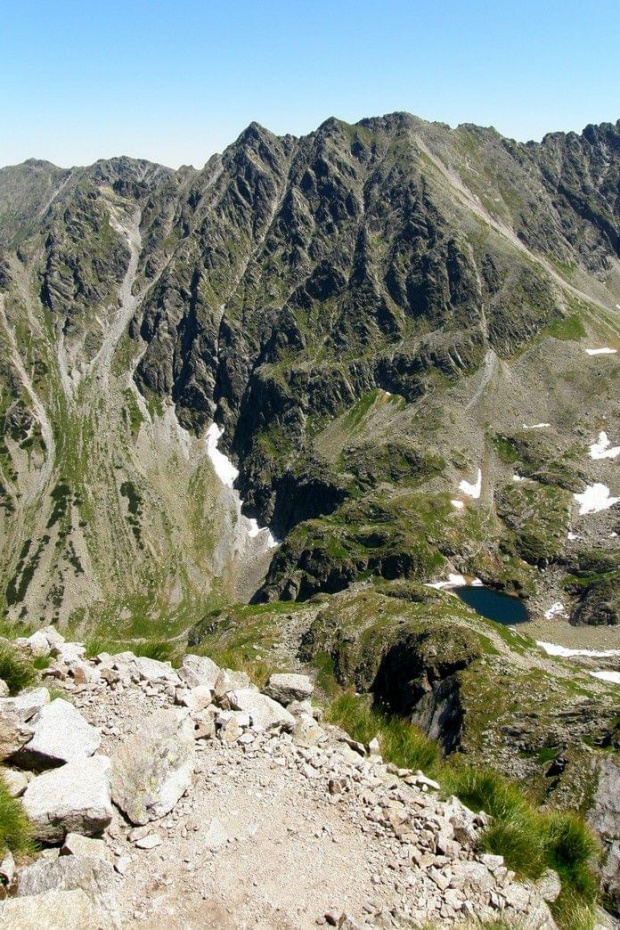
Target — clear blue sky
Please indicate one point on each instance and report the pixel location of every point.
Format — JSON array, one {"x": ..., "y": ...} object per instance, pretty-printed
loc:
[{"x": 177, "y": 81}]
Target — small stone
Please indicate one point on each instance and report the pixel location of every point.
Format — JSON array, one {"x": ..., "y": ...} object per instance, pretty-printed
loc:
[
  {"x": 77, "y": 845},
  {"x": 215, "y": 836},
  {"x": 7, "y": 868},
  {"x": 149, "y": 842},
  {"x": 122, "y": 864}
]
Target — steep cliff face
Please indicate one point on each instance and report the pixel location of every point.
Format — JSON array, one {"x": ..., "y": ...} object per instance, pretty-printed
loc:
[{"x": 372, "y": 313}]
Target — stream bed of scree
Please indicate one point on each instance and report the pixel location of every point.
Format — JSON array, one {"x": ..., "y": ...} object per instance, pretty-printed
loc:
[{"x": 503, "y": 608}]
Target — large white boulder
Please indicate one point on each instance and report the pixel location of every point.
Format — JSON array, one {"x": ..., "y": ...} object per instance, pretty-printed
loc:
[
  {"x": 286, "y": 688},
  {"x": 38, "y": 644},
  {"x": 53, "y": 910},
  {"x": 152, "y": 671},
  {"x": 153, "y": 768},
  {"x": 199, "y": 670},
  {"x": 264, "y": 711},
  {"x": 72, "y": 799},
  {"x": 61, "y": 734}
]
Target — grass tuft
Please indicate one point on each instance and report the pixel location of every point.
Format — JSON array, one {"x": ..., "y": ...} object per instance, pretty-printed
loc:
[
  {"x": 16, "y": 669},
  {"x": 401, "y": 742},
  {"x": 161, "y": 650},
  {"x": 15, "y": 828}
]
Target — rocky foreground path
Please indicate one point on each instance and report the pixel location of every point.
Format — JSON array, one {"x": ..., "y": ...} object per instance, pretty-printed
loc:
[{"x": 188, "y": 799}]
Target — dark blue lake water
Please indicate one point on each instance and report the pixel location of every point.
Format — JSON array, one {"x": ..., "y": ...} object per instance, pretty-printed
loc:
[{"x": 495, "y": 606}]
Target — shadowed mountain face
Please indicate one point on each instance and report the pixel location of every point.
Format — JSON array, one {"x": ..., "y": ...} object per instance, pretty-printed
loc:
[{"x": 373, "y": 313}]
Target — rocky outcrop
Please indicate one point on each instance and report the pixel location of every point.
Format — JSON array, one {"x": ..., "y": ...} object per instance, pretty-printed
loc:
[
  {"x": 605, "y": 818},
  {"x": 426, "y": 847}
]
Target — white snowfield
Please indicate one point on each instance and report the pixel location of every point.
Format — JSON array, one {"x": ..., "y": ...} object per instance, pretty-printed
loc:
[
  {"x": 552, "y": 649},
  {"x": 613, "y": 677},
  {"x": 516, "y": 477},
  {"x": 458, "y": 504},
  {"x": 472, "y": 490},
  {"x": 554, "y": 610},
  {"x": 596, "y": 497},
  {"x": 602, "y": 448},
  {"x": 224, "y": 468},
  {"x": 454, "y": 581},
  {"x": 604, "y": 351},
  {"x": 537, "y": 426},
  {"x": 226, "y": 472}
]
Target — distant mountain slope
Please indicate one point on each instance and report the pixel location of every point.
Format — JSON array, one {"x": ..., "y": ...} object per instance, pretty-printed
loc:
[{"x": 372, "y": 313}]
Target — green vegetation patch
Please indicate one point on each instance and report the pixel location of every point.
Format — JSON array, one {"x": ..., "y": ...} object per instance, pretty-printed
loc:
[
  {"x": 15, "y": 828},
  {"x": 16, "y": 669},
  {"x": 538, "y": 515}
]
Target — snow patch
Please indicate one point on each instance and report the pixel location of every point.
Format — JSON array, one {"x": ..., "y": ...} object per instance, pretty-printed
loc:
[
  {"x": 604, "y": 351},
  {"x": 573, "y": 536},
  {"x": 224, "y": 468},
  {"x": 537, "y": 426},
  {"x": 613, "y": 677},
  {"x": 458, "y": 504},
  {"x": 595, "y": 498},
  {"x": 518, "y": 478},
  {"x": 472, "y": 490},
  {"x": 227, "y": 473},
  {"x": 554, "y": 610},
  {"x": 601, "y": 448},
  {"x": 454, "y": 581},
  {"x": 554, "y": 650}
]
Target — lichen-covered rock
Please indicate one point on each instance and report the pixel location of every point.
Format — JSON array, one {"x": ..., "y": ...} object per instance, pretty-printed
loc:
[{"x": 153, "y": 768}]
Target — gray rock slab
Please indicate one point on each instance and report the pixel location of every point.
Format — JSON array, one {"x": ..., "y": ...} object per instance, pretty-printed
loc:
[
  {"x": 71, "y": 799},
  {"x": 199, "y": 670},
  {"x": 285, "y": 688},
  {"x": 53, "y": 910},
  {"x": 92, "y": 875},
  {"x": 264, "y": 711},
  {"x": 27, "y": 704},
  {"x": 61, "y": 734}
]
